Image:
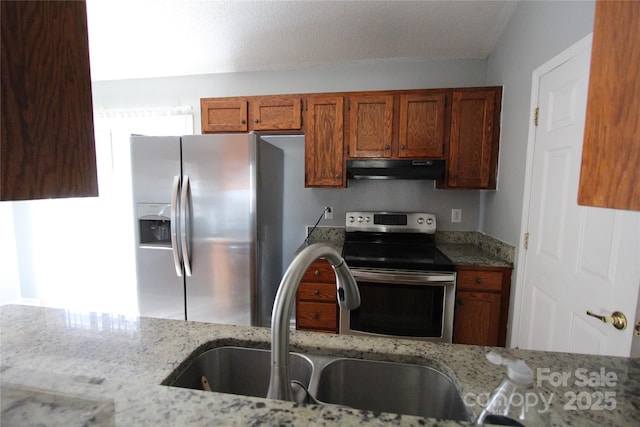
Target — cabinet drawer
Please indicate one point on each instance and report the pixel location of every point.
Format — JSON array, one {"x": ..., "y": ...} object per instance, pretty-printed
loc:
[
  {"x": 314, "y": 315},
  {"x": 317, "y": 292},
  {"x": 479, "y": 280},
  {"x": 320, "y": 271}
]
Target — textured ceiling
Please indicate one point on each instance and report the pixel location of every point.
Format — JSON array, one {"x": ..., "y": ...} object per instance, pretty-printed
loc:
[{"x": 154, "y": 38}]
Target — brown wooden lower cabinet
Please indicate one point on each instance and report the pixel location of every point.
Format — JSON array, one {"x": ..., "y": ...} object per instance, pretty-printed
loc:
[
  {"x": 316, "y": 303},
  {"x": 482, "y": 306}
]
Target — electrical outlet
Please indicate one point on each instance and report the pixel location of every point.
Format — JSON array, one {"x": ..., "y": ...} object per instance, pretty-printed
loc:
[
  {"x": 328, "y": 213},
  {"x": 456, "y": 215}
]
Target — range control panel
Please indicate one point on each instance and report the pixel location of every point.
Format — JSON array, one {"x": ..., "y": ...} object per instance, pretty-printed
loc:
[{"x": 391, "y": 222}]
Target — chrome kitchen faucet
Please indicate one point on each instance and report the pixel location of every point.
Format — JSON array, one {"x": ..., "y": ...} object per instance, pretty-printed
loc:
[{"x": 348, "y": 298}]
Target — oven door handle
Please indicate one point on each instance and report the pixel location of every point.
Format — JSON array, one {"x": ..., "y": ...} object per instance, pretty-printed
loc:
[{"x": 391, "y": 276}]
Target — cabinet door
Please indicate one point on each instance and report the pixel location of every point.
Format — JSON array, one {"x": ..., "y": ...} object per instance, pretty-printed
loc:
[
  {"x": 47, "y": 137},
  {"x": 473, "y": 149},
  {"x": 610, "y": 176},
  {"x": 324, "y": 142},
  {"x": 477, "y": 318},
  {"x": 224, "y": 116},
  {"x": 422, "y": 125},
  {"x": 370, "y": 123},
  {"x": 276, "y": 113}
]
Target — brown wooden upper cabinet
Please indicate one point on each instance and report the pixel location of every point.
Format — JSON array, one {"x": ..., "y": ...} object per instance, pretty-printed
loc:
[
  {"x": 276, "y": 113},
  {"x": 420, "y": 118},
  {"x": 370, "y": 124},
  {"x": 460, "y": 125},
  {"x": 47, "y": 136},
  {"x": 254, "y": 113},
  {"x": 324, "y": 141},
  {"x": 421, "y": 125},
  {"x": 610, "y": 176},
  {"x": 229, "y": 115},
  {"x": 474, "y": 138}
]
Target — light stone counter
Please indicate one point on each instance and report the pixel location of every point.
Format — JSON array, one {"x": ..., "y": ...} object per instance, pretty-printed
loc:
[
  {"x": 461, "y": 247},
  {"x": 108, "y": 370}
]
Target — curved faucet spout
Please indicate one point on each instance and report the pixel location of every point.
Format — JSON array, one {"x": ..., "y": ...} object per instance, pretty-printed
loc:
[{"x": 348, "y": 298}]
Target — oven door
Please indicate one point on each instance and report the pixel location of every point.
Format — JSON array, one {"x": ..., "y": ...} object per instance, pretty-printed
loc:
[{"x": 402, "y": 304}]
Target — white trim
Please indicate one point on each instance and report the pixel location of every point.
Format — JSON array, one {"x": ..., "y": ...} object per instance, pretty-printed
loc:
[
  {"x": 144, "y": 112},
  {"x": 556, "y": 61}
]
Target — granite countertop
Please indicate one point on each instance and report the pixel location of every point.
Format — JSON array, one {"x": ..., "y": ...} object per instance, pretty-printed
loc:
[
  {"x": 471, "y": 254},
  {"x": 461, "y": 247},
  {"x": 69, "y": 368}
]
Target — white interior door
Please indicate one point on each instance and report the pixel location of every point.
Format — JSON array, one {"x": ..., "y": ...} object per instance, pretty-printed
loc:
[{"x": 578, "y": 258}]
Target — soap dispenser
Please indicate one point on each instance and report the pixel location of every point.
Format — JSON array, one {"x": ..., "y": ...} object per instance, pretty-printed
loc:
[{"x": 506, "y": 405}]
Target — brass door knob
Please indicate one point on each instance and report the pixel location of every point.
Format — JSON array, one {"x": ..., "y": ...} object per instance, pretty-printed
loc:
[{"x": 617, "y": 319}]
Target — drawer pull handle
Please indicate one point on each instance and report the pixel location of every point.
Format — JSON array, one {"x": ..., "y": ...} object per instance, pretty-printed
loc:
[{"x": 316, "y": 292}]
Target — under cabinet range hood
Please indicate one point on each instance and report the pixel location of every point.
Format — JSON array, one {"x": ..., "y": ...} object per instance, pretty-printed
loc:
[{"x": 395, "y": 169}]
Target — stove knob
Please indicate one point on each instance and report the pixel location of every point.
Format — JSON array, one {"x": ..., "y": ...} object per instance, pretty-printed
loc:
[
  {"x": 351, "y": 219},
  {"x": 367, "y": 219},
  {"x": 420, "y": 220},
  {"x": 360, "y": 219},
  {"x": 429, "y": 221}
]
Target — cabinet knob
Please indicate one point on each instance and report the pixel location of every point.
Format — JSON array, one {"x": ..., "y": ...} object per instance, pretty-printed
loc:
[
  {"x": 243, "y": 121},
  {"x": 404, "y": 147},
  {"x": 316, "y": 292},
  {"x": 316, "y": 316},
  {"x": 256, "y": 121},
  {"x": 479, "y": 281},
  {"x": 386, "y": 147},
  {"x": 338, "y": 176},
  {"x": 316, "y": 273}
]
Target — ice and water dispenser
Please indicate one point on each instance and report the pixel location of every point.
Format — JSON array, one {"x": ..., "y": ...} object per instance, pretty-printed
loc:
[{"x": 154, "y": 224}]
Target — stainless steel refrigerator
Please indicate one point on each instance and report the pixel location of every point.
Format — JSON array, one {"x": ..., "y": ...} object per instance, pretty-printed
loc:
[{"x": 208, "y": 227}]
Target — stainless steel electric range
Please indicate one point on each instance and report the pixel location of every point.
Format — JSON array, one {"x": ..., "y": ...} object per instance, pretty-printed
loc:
[{"x": 407, "y": 286}]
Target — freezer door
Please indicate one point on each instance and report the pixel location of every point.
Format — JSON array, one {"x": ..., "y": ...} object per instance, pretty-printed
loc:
[
  {"x": 222, "y": 285},
  {"x": 155, "y": 162}
]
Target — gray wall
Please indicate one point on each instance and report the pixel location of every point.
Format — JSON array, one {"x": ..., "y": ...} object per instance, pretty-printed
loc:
[
  {"x": 536, "y": 33},
  {"x": 304, "y": 206}
]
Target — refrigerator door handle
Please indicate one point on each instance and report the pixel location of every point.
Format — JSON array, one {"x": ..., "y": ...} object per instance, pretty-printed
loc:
[
  {"x": 185, "y": 223},
  {"x": 175, "y": 243}
]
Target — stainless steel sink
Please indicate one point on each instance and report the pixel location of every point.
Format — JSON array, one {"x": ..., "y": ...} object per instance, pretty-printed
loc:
[
  {"x": 361, "y": 384},
  {"x": 239, "y": 370},
  {"x": 390, "y": 387}
]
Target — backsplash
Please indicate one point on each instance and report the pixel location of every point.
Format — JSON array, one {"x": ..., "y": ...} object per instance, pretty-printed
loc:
[{"x": 326, "y": 233}]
